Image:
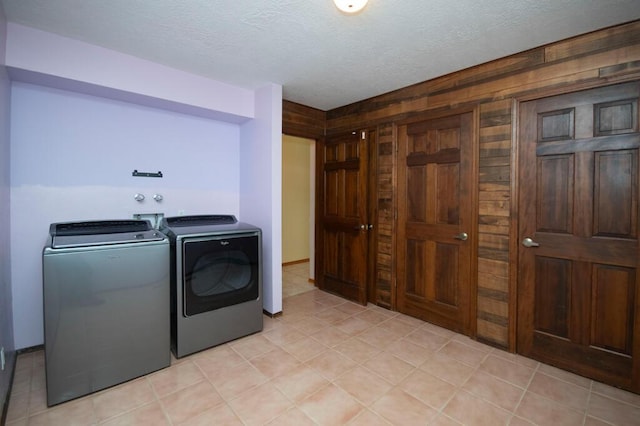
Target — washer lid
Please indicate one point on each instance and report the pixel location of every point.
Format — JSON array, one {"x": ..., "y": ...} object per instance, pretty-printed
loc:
[{"x": 104, "y": 232}]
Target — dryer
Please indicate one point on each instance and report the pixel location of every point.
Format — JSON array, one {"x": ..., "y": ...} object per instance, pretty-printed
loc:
[{"x": 216, "y": 280}]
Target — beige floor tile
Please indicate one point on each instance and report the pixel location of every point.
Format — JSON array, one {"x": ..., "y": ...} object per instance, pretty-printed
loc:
[
  {"x": 292, "y": 417},
  {"x": 221, "y": 415},
  {"x": 352, "y": 326},
  {"x": 175, "y": 378},
  {"x": 358, "y": 350},
  {"x": 190, "y": 402},
  {"x": 331, "y": 364},
  {"x": 122, "y": 398},
  {"x": 332, "y": 315},
  {"x": 261, "y": 405},
  {"x": 447, "y": 369},
  {"x": 79, "y": 412},
  {"x": 400, "y": 408},
  {"x": 363, "y": 384},
  {"x": 463, "y": 353},
  {"x": 310, "y": 325},
  {"x": 330, "y": 336},
  {"x": 438, "y": 330},
  {"x": 494, "y": 390},
  {"x": 252, "y": 346},
  {"x": 397, "y": 326},
  {"x": 275, "y": 363},
  {"x": 379, "y": 337},
  {"x": 543, "y": 411},
  {"x": 283, "y": 334},
  {"x": 427, "y": 339},
  {"x": 368, "y": 418},
  {"x": 592, "y": 421},
  {"x": 305, "y": 349},
  {"x": 565, "y": 376},
  {"x": 516, "y": 374},
  {"x": 389, "y": 367},
  {"x": 515, "y": 358},
  {"x": 613, "y": 411},
  {"x": 615, "y": 393},
  {"x": 472, "y": 410},
  {"x": 37, "y": 401},
  {"x": 150, "y": 414},
  {"x": 300, "y": 383},
  {"x": 408, "y": 351},
  {"x": 444, "y": 420},
  {"x": 237, "y": 380},
  {"x": 372, "y": 317},
  {"x": 428, "y": 389},
  {"x": 18, "y": 406},
  {"x": 559, "y": 391},
  {"x": 343, "y": 406},
  {"x": 351, "y": 308}
]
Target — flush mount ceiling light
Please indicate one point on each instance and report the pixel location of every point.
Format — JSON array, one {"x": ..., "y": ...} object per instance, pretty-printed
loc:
[{"x": 350, "y": 6}]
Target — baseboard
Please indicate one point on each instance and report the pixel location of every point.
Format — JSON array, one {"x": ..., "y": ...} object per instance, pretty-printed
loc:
[
  {"x": 295, "y": 262},
  {"x": 269, "y": 314}
]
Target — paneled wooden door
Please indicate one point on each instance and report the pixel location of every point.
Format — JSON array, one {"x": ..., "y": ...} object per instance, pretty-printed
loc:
[
  {"x": 578, "y": 287},
  {"x": 434, "y": 220},
  {"x": 343, "y": 240}
]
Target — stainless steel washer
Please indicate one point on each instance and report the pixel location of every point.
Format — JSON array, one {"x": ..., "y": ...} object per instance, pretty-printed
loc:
[{"x": 106, "y": 305}]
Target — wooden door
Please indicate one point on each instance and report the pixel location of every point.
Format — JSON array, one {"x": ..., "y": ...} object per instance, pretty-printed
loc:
[
  {"x": 578, "y": 288},
  {"x": 344, "y": 226},
  {"x": 434, "y": 220}
]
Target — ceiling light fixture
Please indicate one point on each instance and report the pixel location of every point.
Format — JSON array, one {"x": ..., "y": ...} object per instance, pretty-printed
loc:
[{"x": 350, "y": 6}]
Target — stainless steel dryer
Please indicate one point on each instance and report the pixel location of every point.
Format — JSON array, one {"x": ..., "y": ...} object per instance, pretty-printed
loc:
[
  {"x": 106, "y": 305},
  {"x": 216, "y": 280}
]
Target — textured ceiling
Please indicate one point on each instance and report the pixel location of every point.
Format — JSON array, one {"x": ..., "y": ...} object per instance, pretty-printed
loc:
[{"x": 321, "y": 57}]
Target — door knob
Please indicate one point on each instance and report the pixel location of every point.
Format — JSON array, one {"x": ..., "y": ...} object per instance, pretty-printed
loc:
[
  {"x": 463, "y": 236},
  {"x": 528, "y": 242}
]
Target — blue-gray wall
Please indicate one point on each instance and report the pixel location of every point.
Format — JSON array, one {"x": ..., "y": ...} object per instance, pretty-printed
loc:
[{"x": 6, "y": 323}]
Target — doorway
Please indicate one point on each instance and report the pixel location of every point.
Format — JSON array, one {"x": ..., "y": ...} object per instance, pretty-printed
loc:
[{"x": 298, "y": 203}]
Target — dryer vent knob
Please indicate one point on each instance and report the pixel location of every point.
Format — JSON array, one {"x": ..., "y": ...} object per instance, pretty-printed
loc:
[
  {"x": 158, "y": 197},
  {"x": 138, "y": 197}
]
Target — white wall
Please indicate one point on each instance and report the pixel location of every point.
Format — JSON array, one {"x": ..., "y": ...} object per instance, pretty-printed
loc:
[{"x": 261, "y": 186}]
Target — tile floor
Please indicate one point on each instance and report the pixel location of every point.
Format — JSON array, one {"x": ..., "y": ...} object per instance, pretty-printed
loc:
[{"x": 327, "y": 361}]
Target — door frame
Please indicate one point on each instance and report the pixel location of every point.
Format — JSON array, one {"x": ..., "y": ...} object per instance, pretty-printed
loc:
[{"x": 472, "y": 321}]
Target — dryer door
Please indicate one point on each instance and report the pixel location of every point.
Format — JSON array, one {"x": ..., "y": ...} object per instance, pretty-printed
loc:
[{"x": 220, "y": 271}]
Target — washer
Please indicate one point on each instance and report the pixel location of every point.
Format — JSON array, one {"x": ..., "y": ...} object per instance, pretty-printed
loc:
[
  {"x": 106, "y": 305},
  {"x": 216, "y": 280}
]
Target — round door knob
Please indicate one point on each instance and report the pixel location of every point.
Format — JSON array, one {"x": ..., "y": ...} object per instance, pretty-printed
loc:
[
  {"x": 138, "y": 197},
  {"x": 158, "y": 197},
  {"x": 528, "y": 242},
  {"x": 463, "y": 236}
]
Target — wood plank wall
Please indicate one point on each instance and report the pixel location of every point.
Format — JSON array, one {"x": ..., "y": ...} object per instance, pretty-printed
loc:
[
  {"x": 302, "y": 121},
  {"x": 596, "y": 59}
]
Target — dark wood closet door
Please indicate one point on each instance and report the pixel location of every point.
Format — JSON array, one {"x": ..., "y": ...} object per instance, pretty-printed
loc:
[
  {"x": 434, "y": 220},
  {"x": 578, "y": 288},
  {"x": 342, "y": 245}
]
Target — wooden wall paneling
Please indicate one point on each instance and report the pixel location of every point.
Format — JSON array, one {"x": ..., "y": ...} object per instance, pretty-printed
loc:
[
  {"x": 494, "y": 210},
  {"x": 592, "y": 60},
  {"x": 302, "y": 121},
  {"x": 384, "y": 276}
]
